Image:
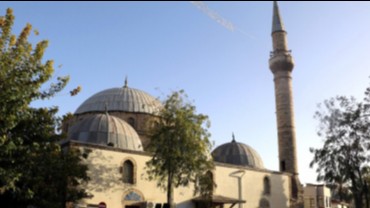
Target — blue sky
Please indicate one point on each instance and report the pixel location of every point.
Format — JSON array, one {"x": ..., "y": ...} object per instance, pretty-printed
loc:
[{"x": 166, "y": 46}]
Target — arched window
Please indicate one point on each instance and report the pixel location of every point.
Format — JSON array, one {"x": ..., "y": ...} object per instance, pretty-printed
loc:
[
  {"x": 266, "y": 186},
  {"x": 128, "y": 172},
  {"x": 132, "y": 198},
  {"x": 264, "y": 203},
  {"x": 211, "y": 181},
  {"x": 209, "y": 174},
  {"x": 131, "y": 121},
  {"x": 206, "y": 181}
]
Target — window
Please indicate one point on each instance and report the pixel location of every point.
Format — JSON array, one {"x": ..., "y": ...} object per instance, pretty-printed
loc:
[
  {"x": 321, "y": 201},
  {"x": 312, "y": 203},
  {"x": 207, "y": 180},
  {"x": 264, "y": 203},
  {"x": 210, "y": 180},
  {"x": 131, "y": 121},
  {"x": 282, "y": 167},
  {"x": 266, "y": 186},
  {"x": 209, "y": 175},
  {"x": 128, "y": 172},
  {"x": 133, "y": 196}
]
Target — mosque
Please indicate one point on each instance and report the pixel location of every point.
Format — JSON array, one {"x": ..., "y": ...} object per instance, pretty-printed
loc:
[{"x": 111, "y": 124}]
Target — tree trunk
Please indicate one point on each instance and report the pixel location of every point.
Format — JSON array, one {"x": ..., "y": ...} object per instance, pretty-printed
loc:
[
  {"x": 366, "y": 193},
  {"x": 170, "y": 199},
  {"x": 357, "y": 194},
  {"x": 341, "y": 192},
  {"x": 358, "y": 201}
]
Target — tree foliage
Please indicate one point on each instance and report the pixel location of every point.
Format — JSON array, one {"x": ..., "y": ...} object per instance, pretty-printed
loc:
[
  {"x": 33, "y": 168},
  {"x": 340, "y": 192},
  {"x": 343, "y": 158},
  {"x": 181, "y": 147}
]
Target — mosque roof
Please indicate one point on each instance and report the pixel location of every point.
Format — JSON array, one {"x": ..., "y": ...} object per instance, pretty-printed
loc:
[
  {"x": 120, "y": 99},
  {"x": 106, "y": 130},
  {"x": 237, "y": 153}
]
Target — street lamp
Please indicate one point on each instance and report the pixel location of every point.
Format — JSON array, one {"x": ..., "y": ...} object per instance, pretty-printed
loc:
[{"x": 239, "y": 175}]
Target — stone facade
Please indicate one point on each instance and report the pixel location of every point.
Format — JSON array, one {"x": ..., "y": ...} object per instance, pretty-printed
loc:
[
  {"x": 317, "y": 196},
  {"x": 233, "y": 181}
]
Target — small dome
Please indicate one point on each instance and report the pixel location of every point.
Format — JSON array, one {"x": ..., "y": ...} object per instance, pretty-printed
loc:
[
  {"x": 105, "y": 130},
  {"x": 120, "y": 99},
  {"x": 237, "y": 154}
]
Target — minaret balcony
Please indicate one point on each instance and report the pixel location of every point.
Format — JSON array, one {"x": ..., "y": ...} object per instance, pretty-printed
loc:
[
  {"x": 279, "y": 52},
  {"x": 281, "y": 61}
]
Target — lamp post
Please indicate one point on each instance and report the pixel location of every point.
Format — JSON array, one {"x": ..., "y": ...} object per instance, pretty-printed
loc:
[{"x": 239, "y": 175}]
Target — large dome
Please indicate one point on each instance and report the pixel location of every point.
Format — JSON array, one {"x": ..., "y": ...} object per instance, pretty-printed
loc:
[
  {"x": 237, "y": 154},
  {"x": 105, "y": 130},
  {"x": 120, "y": 99}
]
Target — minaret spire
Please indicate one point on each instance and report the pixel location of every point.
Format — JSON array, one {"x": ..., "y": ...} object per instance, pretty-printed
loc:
[
  {"x": 277, "y": 23},
  {"x": 279, "y": 35}
]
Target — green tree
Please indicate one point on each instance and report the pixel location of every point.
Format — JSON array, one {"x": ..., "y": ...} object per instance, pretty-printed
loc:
[
  {"x": 340, "y": 192},
  {"x": 181, "y": 148},
  {"x": 33, "y": 168},
  {"x": 343, "y": 159}
]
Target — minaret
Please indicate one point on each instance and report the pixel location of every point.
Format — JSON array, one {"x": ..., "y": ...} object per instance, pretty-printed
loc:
[{"x": 281, "y": 64}]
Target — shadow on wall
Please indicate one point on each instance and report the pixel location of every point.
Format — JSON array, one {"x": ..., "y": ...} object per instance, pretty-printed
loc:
[
  {"x": 273, "y": 194},
  {"x": 104, "y": 174}
]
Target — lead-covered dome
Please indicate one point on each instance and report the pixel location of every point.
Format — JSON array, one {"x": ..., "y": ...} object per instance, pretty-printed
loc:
[
  {"x": 237, "y": 154},
  {"x": 106, "y": 130},
  {"x": 122, "y": 99}
]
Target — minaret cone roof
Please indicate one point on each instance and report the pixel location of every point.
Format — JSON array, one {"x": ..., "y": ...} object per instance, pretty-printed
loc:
[{"x": 277, "y": 22}]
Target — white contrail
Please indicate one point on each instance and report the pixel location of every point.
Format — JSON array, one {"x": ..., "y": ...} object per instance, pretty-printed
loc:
[
  {"x": 218, "y": 18},
  {"x": 213, "y": 15}
]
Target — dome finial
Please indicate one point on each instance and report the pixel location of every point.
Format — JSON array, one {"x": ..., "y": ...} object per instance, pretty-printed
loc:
[
  {"x": 125, "y": 82},
  {"x": 106, "y": 108},
  {"x": 233, "y": 136}
]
